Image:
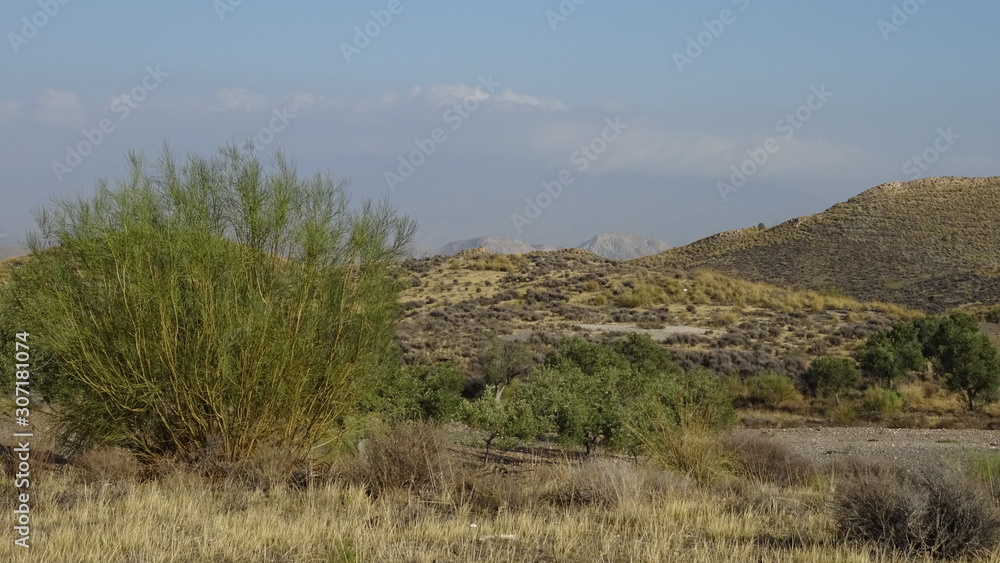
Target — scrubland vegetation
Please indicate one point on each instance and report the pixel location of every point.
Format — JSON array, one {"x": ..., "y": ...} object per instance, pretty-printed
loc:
[{"x": 220, "y": 376}]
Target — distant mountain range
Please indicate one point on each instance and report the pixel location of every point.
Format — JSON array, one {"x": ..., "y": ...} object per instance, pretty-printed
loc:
[{"x": 615, "y": 246}]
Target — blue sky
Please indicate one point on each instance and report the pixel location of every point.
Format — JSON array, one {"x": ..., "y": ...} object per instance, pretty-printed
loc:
[{"x": 667, "y": 119}]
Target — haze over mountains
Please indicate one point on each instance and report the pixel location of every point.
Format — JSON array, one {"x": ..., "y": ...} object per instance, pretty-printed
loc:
[{"x": 615, "y": 246}]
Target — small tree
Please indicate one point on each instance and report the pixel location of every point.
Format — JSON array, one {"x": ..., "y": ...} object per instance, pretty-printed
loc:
[
  {"x": 496, "y": 419},
  {"x": 831, "y": 375},
  {"x": 970, "y": 365},
  {"x": 218, "y": 305},
  {"x": 888, "y": 355},
  {"x": 502, "y": 363}
]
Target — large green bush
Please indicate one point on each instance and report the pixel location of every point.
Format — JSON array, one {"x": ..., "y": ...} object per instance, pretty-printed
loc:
[
  {"x": 831, "y": 375},
  {"x": 624, "y": 397},
  {"x": 888, "y": 355},
  {"x": 217, "y": 305}
]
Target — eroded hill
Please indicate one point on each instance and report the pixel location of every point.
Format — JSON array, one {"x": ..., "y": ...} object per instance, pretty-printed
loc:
[{"x": 931, "y": 244}]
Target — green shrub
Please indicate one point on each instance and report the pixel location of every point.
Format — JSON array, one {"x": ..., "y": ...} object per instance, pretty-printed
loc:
[
  {"x": 770, "y": 389},
  {"x": 595, "y": 394},
  {"x": 880, "y": 403},
  {"x": 681, "y": 430},
  {"x": 216, "y": 305},
  {"x": 418, "y": 392},
  {"x": 831, "y": 375}
]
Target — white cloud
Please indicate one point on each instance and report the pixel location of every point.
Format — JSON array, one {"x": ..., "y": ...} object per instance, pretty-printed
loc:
[
  {"x": 511, "y": 97},
  {"x": 9, "y": 107},
  {"x": 449, "y": 94},
  {"x": 59, "y": 108},
  {"x": 240, "y": 98}
]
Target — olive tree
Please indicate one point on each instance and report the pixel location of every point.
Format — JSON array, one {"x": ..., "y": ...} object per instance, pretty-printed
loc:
[{"x": 219, "y": 303}]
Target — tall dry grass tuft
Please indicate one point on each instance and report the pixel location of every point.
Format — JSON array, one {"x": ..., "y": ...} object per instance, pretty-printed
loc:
[
  {"x": 414, "y": 457},
  {"x": 760, "y": 459}
]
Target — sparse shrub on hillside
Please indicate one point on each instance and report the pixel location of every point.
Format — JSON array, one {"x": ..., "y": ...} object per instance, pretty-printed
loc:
[
  {"x": 213, "y": 302},
  {"x": 830, "y": 375},
  {"x": 993, "y": 315}
]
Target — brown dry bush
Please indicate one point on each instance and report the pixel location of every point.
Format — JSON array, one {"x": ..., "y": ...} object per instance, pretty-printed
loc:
[
  {"x": 413, "y": 456},
  {"x": 764, "y": 460},
  {"x": 934, "y": 513}
]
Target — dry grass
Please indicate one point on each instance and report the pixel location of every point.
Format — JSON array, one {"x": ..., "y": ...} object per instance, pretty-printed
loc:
[
  {"x": 181, "y": 518},
  {"x": 435, "y": 501}
]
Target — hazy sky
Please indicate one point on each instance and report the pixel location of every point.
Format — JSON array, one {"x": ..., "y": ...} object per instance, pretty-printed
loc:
[{"x": 672, "y": 120}]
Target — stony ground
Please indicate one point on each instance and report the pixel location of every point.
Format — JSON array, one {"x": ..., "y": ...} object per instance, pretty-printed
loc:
[{"x": 895, "y": 446}]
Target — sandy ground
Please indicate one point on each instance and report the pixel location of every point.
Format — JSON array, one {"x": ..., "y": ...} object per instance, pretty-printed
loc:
[{"x": 654, "y": 333}]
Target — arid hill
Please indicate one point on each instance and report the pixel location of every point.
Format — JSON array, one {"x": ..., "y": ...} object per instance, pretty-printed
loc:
[{"x": 931, "y": 244}]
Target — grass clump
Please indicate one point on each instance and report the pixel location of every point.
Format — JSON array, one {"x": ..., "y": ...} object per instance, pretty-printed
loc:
[{"x": 878, "y": 403}]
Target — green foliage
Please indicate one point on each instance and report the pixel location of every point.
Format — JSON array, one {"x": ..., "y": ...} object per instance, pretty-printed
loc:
[
  {"x": 503, "y": 362},
  {"x": 962, "y": 354},
  {"x": 418, "y": 392},
  {"x": 888, "y": 355},
  {"x": 880, "y": 403},
  {"x": 496, "y": 418},
  {"x": 831, "y": 375},
  {"x": 770, "y": 389},
  {"x": 644, "y": 354},
  {"x": 595, "y": 394},
  {"x": 698, "y": 399},
  {"x": 970, "y": 364},
  {"x": 992, "y": 315},
  {"x": 216, "y": 305},
  {"x": 681, "y": 429}
]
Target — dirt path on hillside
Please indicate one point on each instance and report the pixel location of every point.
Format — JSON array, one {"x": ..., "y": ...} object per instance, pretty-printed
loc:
[{"x": 895, "y": 446}]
